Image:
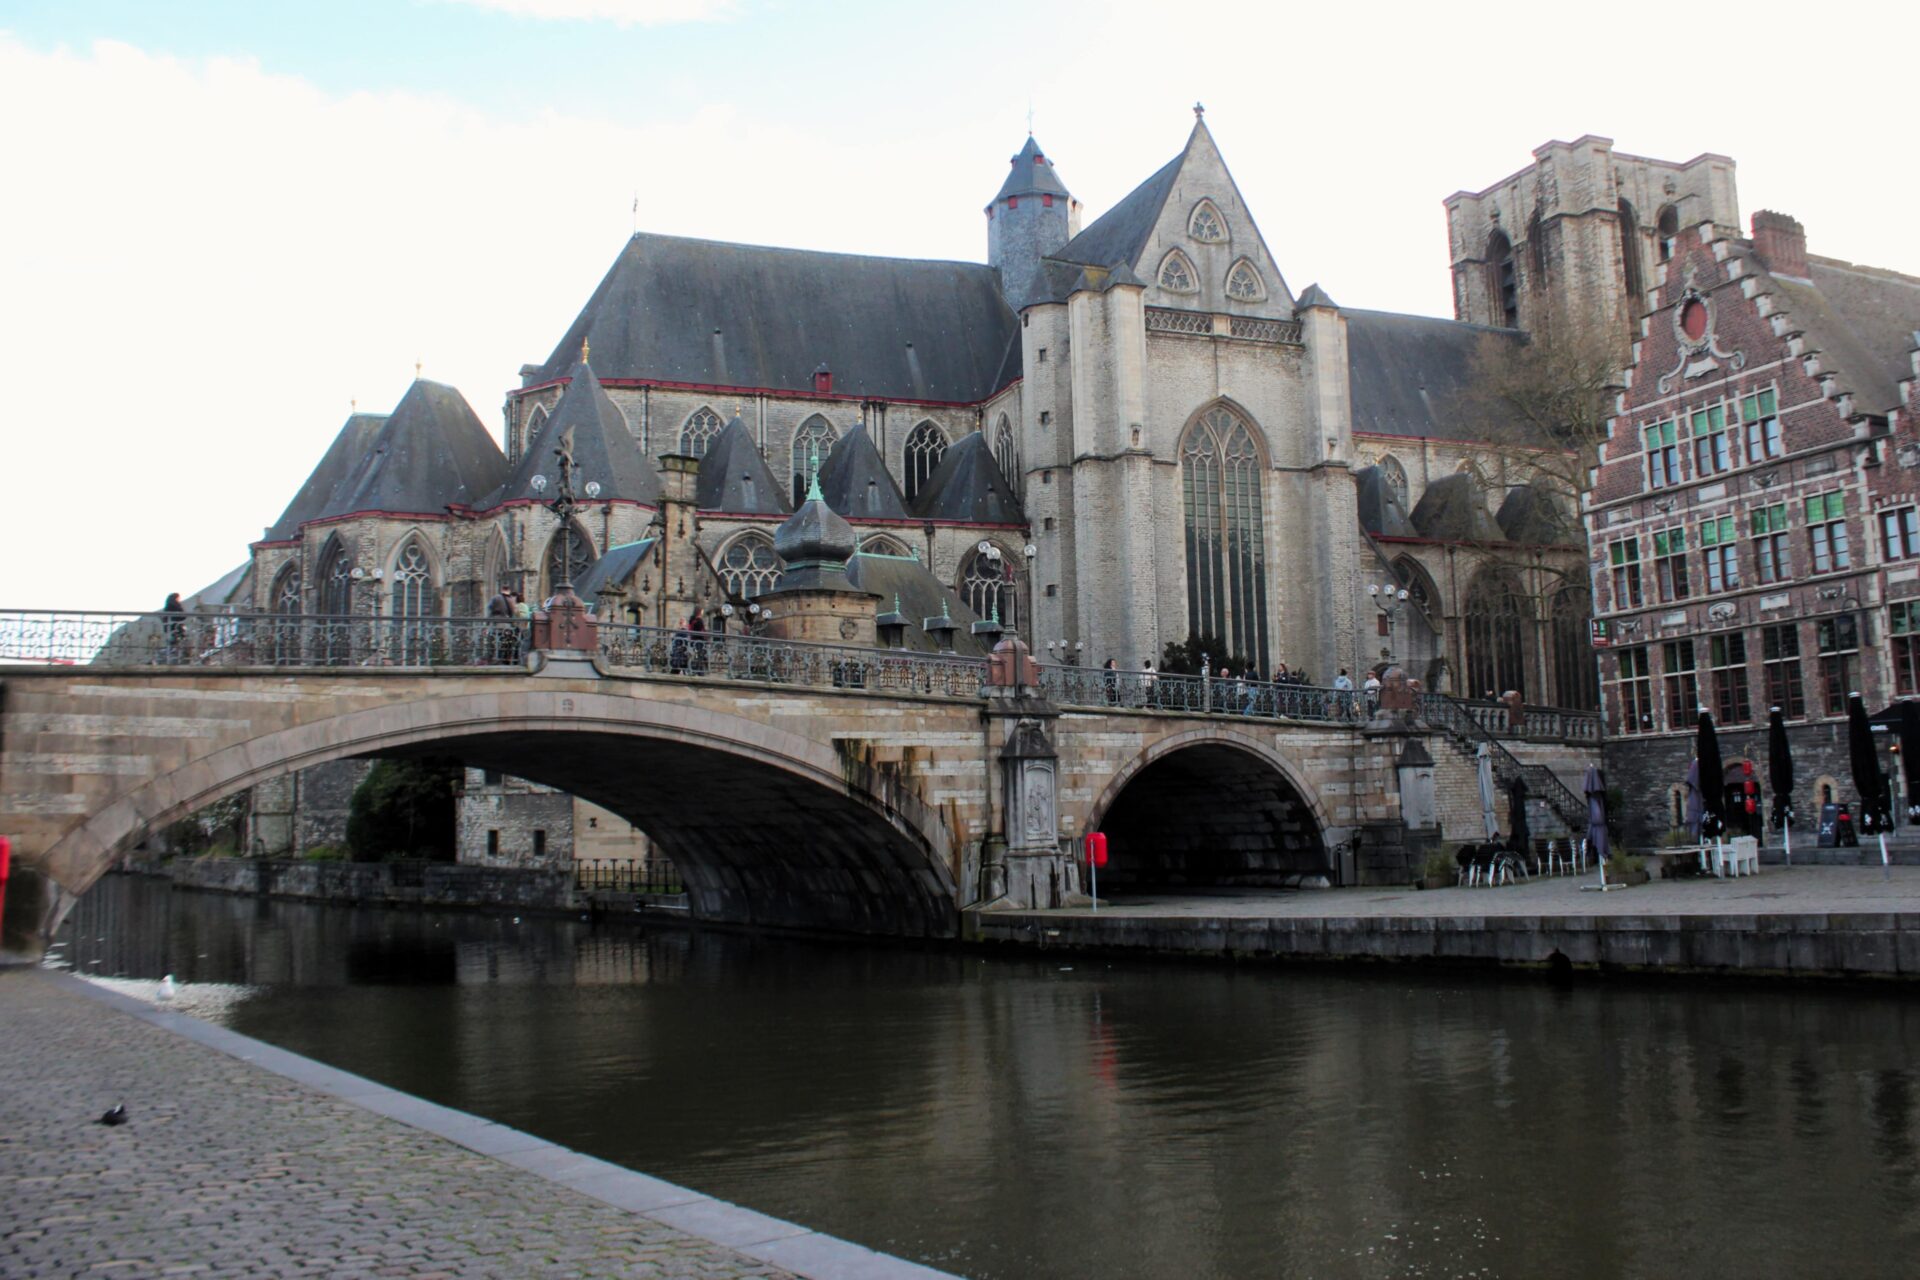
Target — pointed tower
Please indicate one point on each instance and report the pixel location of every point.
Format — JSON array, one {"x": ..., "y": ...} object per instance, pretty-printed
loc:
[{"x": 1032, "y": 216}]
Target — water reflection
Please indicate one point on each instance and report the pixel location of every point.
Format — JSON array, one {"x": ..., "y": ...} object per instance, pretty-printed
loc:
[{"x": 1032, "y": 1116}]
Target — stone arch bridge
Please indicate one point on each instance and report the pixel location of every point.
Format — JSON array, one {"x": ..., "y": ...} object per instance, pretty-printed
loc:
[{"x": 797, "y": 785}]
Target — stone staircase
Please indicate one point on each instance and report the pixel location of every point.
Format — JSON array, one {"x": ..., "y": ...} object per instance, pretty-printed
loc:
[{"x": 1554, "y": 810}]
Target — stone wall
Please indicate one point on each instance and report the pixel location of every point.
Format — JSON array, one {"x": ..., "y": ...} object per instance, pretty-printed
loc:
[{"x": 394, "y": 883}]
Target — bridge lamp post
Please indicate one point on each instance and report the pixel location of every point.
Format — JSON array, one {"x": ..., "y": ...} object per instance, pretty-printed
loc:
[
  {"x": 1389, "y": 598},
  {"x": 1033, "y": 619}
]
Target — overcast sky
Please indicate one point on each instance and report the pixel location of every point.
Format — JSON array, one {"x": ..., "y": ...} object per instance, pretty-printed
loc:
[{"x": 224, "y": 223}]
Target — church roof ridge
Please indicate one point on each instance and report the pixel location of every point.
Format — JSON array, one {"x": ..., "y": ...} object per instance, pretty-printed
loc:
[
  {"x": 734, "y": 478},
  {"x": 430, "y": 452},
  {"x": 340, "y": 465},
  {"x": 855, "y": 481},
  {"x": 967, "y": 487}
]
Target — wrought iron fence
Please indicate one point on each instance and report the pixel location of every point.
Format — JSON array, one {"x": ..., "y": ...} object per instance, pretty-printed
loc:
[
  {"x": 727, "y": 656},
  {"x": 627, "y": 875},
  {"x": 1206, "y": 695},
  {"x": 50, "y": 637}
]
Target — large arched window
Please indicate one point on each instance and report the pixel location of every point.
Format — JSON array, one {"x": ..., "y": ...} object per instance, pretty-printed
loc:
[
  {"x": 1006, "y": 452},
  {"x": 748, "y": 566},
  {"x": 1206, "y": 224},
  {"x": 1496, "y": 618},
  {"x": 281, "y": 643},
  {"x": 1668, "y": 230},
  {"x": 286, "y": 591},
  {"x": 990, "y": 586},
  {"x": 414, "y": 598},
  {"x": 1503, "y": 286},
  {"x": 926, "y": 445},
  {"x": 569, "y": 555},
  {"x": 336, "y": 579},
  {"x": 816, "y": 433},
  {"x": 699, "y": 430},
  {"x": 1221, "y": 471},
  {"x": 1576, "y": 677},
  {"x": 1177, "y": 274}
]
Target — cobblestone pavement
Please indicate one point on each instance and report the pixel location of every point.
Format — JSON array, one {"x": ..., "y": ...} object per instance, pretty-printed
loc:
[
  {"x": 1777, "y": 890},
  {"x": 228, "y": 1169}
]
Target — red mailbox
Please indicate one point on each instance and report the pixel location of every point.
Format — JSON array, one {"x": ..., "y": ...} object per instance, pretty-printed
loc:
[{"x": 1096, "y": 849}]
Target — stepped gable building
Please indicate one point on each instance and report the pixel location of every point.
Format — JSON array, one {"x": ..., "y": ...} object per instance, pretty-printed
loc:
[{"x": 1751, "y": 523}]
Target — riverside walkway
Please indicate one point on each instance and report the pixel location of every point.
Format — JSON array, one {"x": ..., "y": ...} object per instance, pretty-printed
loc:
[
  {"x": 239, "y": 1159},
  {"x": 1811, "y": 921}
]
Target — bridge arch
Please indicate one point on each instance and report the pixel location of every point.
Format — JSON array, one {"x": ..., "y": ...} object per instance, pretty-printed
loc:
[
  {"x": 1211, "y": 807},
  {"x": 768, "y": 827}
]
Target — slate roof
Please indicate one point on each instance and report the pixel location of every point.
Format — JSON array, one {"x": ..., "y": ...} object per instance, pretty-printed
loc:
[
  {"x": 1381, "y": 512},
  {"x": 855, "y": 482},
  {"x": 1121, "y": 233},
  {"x": 734, "y": 315},
  {"x": 339, "y": 466},
  {"x": 615, "y": 568},
  {"x": 1862, "y": 321},
  {"x": 1031, "y": 173},
  {"x": 1315, "y": 296},
  {"x": 967, "y": 486},
  {"x": 1534, "y": 517},
  {"x": 920, "y": 595},
  {"x": 604, "y": 450},
  {"x": 1407, "y": 374},
  {"x": 1451, "y": 511},
  {"x": 430, "y": 452},
  {"x": 734, "y": 478}
]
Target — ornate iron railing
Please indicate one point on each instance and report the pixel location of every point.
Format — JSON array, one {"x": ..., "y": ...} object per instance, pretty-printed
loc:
[
  {"x": 51, "y": 637},
  {"x": 627, "y": 875},
  {"x": 1205, "y": 695},
  {"x": 726, "y": 656}
]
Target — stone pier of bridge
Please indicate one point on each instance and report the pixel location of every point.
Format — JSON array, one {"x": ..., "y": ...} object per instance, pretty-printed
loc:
[{"x": 834, "y": 808}]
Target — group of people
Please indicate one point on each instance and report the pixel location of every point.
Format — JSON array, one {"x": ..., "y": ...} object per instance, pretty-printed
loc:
[{"x": 1236, "y": 691}]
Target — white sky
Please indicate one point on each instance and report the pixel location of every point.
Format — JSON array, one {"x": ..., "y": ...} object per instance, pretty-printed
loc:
[{"x": 208, "y": 250}]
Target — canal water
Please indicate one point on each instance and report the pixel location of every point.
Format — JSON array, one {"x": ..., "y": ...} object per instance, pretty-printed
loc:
[{"x": 1041, "y": 1116}]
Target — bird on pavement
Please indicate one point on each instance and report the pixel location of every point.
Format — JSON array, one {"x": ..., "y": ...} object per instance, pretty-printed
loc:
[{"x": 118, "y": 1115}]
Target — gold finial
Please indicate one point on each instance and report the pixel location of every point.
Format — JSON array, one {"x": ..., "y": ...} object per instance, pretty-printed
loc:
[
  {"x": 585, "y": 348},
  {"x": 353, "y": 406},
  {"x": 416, "y": 370}
]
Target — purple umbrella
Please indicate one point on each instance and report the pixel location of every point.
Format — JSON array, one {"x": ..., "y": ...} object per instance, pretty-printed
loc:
[{"x": 1780, "y": 777}]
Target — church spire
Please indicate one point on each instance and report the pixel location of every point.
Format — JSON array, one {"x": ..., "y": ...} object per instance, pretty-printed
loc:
[{"x": 1032, "y": 215}]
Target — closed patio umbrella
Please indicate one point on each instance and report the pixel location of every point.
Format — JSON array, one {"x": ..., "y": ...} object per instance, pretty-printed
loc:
[
  {"x": 1598, "y": 844},
  {"x": 1485, "y": 767},
  {"x": 1865, "y": 759},
  {"x": 1713, "y": 775},
  {"x": 1903, "y": 718},
  {"x": 1696, "y": 810},
  {"x": 1780, "y": 777}
]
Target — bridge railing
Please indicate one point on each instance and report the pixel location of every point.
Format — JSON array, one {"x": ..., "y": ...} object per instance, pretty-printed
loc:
[
  {"x": 57, "y": 638},
  {"x": 1161, "y": 691},
  {"x": 729, "y": 656}
]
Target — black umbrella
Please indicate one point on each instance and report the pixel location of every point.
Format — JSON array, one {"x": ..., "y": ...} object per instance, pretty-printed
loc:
[
  {"x": 1713, "y": 776},
  {"x": 1598, "y": 842},
  {"x": 1865, "y": 759},
  {"x": 1780, "y": 777},
  {"x": 1519, "y": 838}
]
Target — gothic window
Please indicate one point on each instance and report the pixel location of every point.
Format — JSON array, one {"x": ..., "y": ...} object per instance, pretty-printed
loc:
[
  {"x": 1668, "y": 232},
  {"x": 815, "y": 433},
  {"x": 286, "y": 591},
  {"x": 748, "y": 566},
  {"x": 926, "y": 444},
  {"x": 1176, "y": 273},
  {"x": 536, "y": 423},
  {"x": 1220, "y": 481},
  {"x": 1207, "y": 225},
  {"x": 699, "y": 431},
  {"x": 336, "y": 580},
  {"x": 1396, "y": 477},
  {"x": 990, "y": 586},
  {"x": 414, "y": 597},
  {"x": 1576, "y": 677},
  {"x": 1502, "y": 283},
  {"x": 879, "y": 544},
  {"x": 1244, "y": 283},
  {"x": 1496, "y": 615},
  {"x": 1005, "y": 452},
  {"x": 568, "y": 557}
]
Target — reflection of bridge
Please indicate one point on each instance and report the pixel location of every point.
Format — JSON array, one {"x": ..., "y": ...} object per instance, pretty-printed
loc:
[{"x": 806, "y": 785}]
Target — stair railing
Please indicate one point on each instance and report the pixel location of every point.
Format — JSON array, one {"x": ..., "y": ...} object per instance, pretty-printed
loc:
[{"x": 1446, "y": 714}]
